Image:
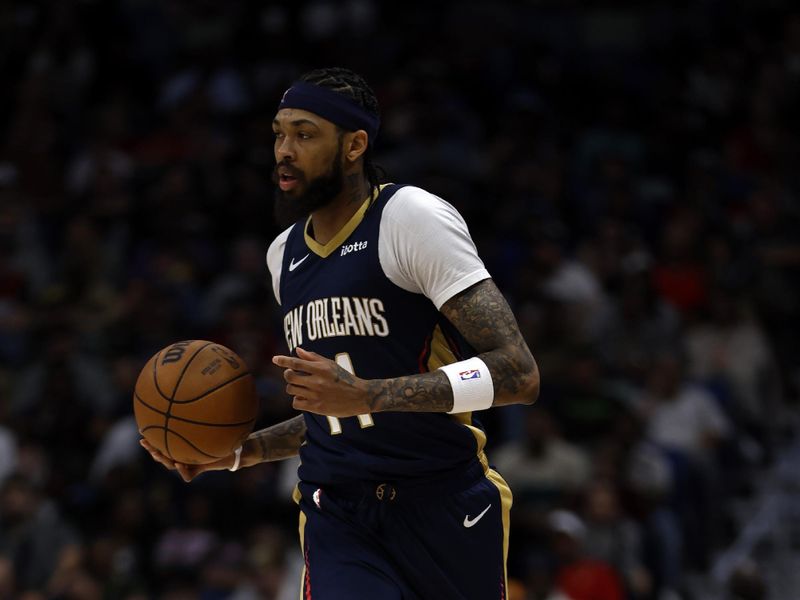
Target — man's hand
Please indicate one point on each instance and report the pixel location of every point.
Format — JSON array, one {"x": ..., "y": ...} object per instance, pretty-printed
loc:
[
  {"x": 187, "y": 472},
  {"x": 321, "y": 386}
]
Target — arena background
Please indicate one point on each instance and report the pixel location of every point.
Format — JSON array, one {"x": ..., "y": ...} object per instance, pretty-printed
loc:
[{"x": 629, "y": 171}]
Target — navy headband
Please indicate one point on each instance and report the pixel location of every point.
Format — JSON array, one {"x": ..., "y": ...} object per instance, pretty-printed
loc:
[{"x": 333, "y": 106}]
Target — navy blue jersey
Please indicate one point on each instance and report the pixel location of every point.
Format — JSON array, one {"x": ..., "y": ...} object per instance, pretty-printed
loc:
[{"x": 337, "y": 301}]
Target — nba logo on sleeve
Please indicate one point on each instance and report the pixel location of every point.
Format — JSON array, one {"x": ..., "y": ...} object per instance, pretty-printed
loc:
[{"x": 471, "y": 374}]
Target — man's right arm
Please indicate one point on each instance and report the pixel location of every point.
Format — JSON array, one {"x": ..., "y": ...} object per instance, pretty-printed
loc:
[{"x": 272, "y": 443}]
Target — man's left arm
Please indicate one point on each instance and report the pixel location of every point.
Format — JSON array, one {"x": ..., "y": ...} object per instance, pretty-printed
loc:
[{"x": 480, "y": 313}]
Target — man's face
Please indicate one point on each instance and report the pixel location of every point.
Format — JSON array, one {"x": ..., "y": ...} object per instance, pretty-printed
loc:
[{"x": 308, "y": 164}]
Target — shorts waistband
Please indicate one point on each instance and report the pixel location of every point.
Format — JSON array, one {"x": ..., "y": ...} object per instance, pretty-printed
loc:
[{"x": 409, "y": 489}]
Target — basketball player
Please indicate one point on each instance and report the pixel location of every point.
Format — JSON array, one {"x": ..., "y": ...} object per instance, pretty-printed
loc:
[{"x": 396, "y": 336}]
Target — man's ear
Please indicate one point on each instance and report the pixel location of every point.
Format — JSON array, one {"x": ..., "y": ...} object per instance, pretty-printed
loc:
[{"x": 355, "y": 145}]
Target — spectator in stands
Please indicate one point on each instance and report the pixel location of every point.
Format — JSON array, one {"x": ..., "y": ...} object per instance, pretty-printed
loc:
[
  {"x": 578, "y": 576},
  {"x": 686, "y": 420},
  {"x": 730, "y": 353},
  {"x": 747, "y": 583},
  {"x": 34, "y": 537},
  {"x": 615, "y": 538},
  {"x": 543, "y": 467}
]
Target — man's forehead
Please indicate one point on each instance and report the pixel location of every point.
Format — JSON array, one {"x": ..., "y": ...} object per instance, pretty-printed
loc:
[{"x": 291, "y": 116}]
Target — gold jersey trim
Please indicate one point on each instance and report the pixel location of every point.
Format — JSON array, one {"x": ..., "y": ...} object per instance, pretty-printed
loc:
[
  {"x": 440, "y": 355},
  {"x": 325, "y": 250},
  {"x": 302, "y": 530},
  {"x": 506, "y": 500}
]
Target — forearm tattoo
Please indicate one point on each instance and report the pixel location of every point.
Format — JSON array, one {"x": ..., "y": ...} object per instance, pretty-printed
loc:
[
  {"x": 416, "y": 393},
  {"x": 482, "y": 315},
  {"x": 279, "y": 441}
]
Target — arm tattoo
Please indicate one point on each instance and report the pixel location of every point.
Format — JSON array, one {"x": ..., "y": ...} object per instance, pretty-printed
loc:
[
  {"x": 482, "y": 315},
  {"x": 427, "y": 392},
  {"x": 279, "y": 441}
]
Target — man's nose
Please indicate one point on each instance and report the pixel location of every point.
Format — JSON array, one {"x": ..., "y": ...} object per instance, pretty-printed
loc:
[{"x": 284, "y": 150}]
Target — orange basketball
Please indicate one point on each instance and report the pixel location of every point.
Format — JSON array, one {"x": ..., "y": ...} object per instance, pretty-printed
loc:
[{"x": 195, "y": 401}]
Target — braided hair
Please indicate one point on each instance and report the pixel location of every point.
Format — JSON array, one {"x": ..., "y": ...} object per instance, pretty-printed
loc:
[{"x": 350, "y": 84}]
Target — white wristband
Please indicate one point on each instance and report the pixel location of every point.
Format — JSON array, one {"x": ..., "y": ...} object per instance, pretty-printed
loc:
[
  {"x": 472, "y": 385},
  {"x": 237, "y": 459}
]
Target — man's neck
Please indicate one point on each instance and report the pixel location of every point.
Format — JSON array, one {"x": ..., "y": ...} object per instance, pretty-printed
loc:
[{"x": 329, "y": 220}]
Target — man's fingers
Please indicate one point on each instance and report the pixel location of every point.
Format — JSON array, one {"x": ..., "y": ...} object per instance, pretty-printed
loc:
[
  {"x": 299, "y": 390},
  {"x": 286, "y": 362},
  {"x": 293, "y": 363},
  {"x": 300, "y": 402},
  {"x": 296, "y": 383},
  {"x": 185, "y": 472},
  {"x": 308, "y": 355},
  {"x": 298, "y": 377},
  {"x": 304, "y": 361},
  {"x": 157, "y": 455}
]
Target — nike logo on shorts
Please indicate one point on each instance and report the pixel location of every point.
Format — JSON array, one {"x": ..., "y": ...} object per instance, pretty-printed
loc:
[
  {"x": 293, "y": 265},
  {"x": 470, "y": 523}
]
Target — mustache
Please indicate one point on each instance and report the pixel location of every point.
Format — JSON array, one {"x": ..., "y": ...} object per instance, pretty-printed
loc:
[{"x": 292, "y": 171}]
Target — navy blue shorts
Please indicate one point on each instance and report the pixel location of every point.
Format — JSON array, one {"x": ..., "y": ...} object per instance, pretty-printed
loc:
[{"x": 387, "y": 542}]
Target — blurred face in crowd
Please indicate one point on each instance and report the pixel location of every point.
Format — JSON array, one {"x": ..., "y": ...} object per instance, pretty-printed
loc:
[
  {"x": 308, "y": 170},
  {"x": 665, "y": 377},
  {"x": 539, "y": 429},
  {"x": 17, "y": 501},
  {"x": 602, "y": 503}
]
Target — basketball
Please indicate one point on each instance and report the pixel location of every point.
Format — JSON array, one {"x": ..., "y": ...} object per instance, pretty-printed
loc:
[{"x": 195, "y": 401}]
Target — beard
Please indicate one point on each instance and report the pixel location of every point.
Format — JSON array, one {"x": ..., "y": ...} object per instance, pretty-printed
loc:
[{"x": 289, "y": 209}]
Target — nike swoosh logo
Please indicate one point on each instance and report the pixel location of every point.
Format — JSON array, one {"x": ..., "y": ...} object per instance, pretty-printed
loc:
[
  {"x": 470, "y": 523},
  {"x": 293, "y": 265}
]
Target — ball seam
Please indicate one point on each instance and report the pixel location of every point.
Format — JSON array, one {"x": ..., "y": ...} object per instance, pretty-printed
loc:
[{"x": 175, "y": 391}]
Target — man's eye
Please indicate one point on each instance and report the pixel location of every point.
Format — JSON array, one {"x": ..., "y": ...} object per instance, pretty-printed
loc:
[
  {"x": 304, "y": 136},
  {"x": 278, "y": 135}
]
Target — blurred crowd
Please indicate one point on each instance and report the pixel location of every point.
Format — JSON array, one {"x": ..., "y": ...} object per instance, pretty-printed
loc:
[{"x": 628, "y": 172}]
